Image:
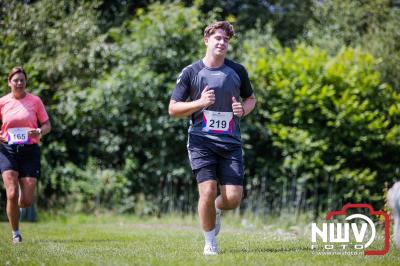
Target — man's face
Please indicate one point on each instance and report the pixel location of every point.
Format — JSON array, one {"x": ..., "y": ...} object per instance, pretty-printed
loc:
[{"x": 217, "y": 43}]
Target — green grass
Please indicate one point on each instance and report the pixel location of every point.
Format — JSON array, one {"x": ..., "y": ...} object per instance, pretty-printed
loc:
[{"x": 129, "y": 240}]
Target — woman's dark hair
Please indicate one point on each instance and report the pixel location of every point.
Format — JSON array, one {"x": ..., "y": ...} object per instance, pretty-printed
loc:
[{"x": 16, "y": 70}]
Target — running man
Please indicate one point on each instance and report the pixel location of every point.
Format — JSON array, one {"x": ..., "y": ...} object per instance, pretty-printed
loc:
[{"x": 220, "y": 95}]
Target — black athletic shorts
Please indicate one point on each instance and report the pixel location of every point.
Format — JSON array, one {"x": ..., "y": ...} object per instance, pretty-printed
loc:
[
  {"x": 23, "y": 158},
  {"x": 212, "y": 160}
]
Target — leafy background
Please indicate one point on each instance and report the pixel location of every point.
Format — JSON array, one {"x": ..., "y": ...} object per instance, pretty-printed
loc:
[{"x": 325, "y": 130}]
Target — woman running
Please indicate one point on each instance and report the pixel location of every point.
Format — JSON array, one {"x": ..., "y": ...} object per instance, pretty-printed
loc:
[{"x": 24, "y": 121}]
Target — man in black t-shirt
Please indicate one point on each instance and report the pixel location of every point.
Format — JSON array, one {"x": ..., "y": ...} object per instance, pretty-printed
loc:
[{"x": 220, "y": 94}]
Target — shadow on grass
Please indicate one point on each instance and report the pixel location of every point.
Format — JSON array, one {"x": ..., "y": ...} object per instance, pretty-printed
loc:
[{"x": 265, "y": 250}]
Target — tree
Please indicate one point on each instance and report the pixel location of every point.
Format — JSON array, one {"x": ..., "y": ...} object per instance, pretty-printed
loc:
[
  {"x": 326, "y": 127},
  {"x": 369, "y": 24}
]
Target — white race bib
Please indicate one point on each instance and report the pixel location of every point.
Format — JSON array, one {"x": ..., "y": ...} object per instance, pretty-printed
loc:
[
  {"x": 18, "y": 135},
  {"x": 217, "y": 122}
]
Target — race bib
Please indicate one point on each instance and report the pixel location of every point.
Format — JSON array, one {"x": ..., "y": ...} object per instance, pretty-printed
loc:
[
  {"x": 18, "y": 135},
  {"x": 217, "y": 122}
]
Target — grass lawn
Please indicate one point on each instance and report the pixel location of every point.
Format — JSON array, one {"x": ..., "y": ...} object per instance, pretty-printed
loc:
[{"x": 129, "y": 240}]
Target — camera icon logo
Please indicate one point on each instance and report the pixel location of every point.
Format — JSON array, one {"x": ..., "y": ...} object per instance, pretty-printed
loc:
[{"x": 336, "y": 235}]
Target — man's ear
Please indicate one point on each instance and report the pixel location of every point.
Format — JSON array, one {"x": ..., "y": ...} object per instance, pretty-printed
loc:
[{"x": 205, "y": 40}]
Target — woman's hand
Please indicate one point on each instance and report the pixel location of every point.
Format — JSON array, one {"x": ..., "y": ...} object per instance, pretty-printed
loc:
[
  {"x": 45, "y": 129},
  {"x": 35, "y": 132}
]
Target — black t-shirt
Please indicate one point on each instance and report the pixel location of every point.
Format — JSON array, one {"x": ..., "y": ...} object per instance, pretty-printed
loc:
[{"x": 229, "y": 80}]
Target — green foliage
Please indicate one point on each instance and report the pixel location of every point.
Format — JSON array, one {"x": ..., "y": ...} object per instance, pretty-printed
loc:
[
  {"x": 90, "y": 189},
  {"x": 327, "y": 121},
  {"x": 287, "y": 17},
  {"x": 121, "y": 119},
  {"x": 372, "y": 25},
  {"x": 52, "y": 40},
  {"x": 325, "y": 129}
]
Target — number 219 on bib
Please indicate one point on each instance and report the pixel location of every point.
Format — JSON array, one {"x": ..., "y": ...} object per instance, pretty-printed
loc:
[{"x": 217, "y": 122}]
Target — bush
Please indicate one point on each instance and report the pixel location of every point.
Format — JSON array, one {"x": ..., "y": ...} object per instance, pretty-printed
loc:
[{"x": 325, "y": 131}]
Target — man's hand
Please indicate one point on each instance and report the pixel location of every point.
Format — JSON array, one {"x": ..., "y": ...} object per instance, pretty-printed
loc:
[
  {"x": 207, "y": 97},
  {"x": 237, "y": 108}
]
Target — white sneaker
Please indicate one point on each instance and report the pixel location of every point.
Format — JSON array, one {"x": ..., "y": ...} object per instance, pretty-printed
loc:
[
  {"x": 393, "y": 199},
  {"x": 211, "y": 249},
  {"x": 17, "y": 239},
  {"x": 217, "y": 222}
]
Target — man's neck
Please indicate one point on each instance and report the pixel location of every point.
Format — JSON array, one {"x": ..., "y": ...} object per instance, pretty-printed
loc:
[{"x": 213, "y": 61}]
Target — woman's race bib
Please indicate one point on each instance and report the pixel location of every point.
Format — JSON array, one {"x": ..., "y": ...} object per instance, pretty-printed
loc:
[
  {"x": 18, "y": 135},
  {"x": 217, "y": 122}
]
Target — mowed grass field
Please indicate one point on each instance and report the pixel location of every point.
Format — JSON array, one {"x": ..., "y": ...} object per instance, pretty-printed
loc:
[{"x": 171, "y": 240}]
